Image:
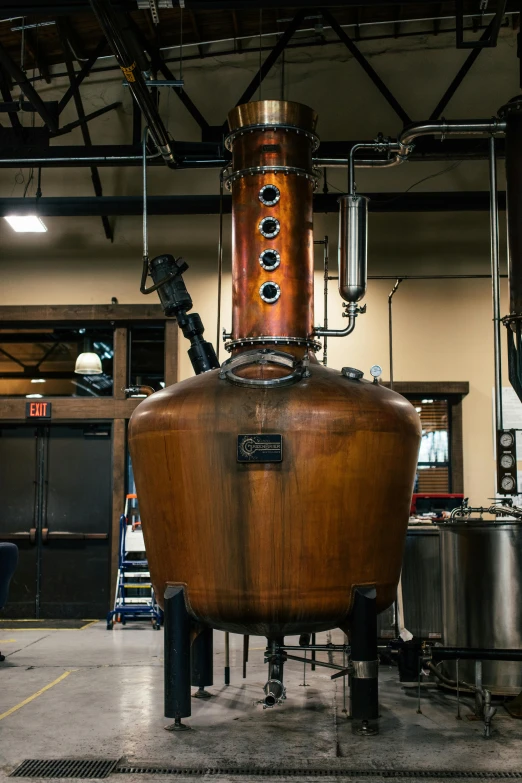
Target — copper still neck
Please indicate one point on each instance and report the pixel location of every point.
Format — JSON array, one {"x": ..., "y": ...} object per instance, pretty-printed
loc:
[{"x": 272, "y": 182}]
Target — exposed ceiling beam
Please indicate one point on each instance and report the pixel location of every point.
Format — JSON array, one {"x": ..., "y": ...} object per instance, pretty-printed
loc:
[
  {"x": 368, "y": 69},
  {"x": 196, "y": 31},
  {"x": 18, "y": 8},
  {"x": 34, "y": 48},
  {"x": 210, "y": 155},
  {"x": 82, "y": 73},
  {"x": 270, "y": 61},
  {"x": 158, "y": 64},
  {"x": 439, "y": 201},
  {"x": 87, "y": 118},
  {"x": 237, "y": 31},
  {"x": 460, "y": 75},
  {"x": 27, "y": 88},
  {"x": 6, "y": 96},
  {"x": 82, "y": 121}
]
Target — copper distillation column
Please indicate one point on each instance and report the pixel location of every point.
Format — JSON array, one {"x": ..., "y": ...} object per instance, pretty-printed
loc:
[{"x": 272, "y": 182}]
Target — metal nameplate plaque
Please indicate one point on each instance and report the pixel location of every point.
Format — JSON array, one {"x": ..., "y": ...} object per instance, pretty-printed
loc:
[{"x": 259, "y": 448}]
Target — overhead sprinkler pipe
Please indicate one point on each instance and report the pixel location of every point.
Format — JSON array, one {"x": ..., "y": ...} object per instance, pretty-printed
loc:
[{"x": 132, "y": 62}]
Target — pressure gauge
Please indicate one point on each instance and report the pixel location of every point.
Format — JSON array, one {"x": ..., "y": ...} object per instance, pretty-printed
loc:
[
  {"x": 508, "y": 483},
  {"x": 376, "y": 371},
  {"x": 507, "y": 461},
  {"x": 506, "y": 440}
]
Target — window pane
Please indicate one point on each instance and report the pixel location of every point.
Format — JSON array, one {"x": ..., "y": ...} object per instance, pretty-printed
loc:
[
  {"x": 433, "y": 472},
  {"x": 147, "y": 356},
  {"x": 41, "y": 360}
]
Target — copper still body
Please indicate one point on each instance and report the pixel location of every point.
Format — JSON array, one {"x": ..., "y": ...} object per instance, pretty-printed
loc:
[{"x": 272, "y": 488}]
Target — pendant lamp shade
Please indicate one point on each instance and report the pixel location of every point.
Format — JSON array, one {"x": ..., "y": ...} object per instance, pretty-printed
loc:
[{"x": 88, "y": 363}]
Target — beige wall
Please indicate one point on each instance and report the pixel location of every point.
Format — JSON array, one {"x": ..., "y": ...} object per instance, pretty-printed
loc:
[{"x": 442, "y": 329}]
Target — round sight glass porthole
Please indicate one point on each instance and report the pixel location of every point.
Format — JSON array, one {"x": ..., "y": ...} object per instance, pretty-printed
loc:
[
  {"x": 269, "y": 227},
  {"x": 269, "y": 292},
  {"x": 270, "y": 260},
  {"x": 269, "y": 195}
]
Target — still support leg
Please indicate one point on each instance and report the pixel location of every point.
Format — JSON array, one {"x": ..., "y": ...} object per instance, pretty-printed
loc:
[
  {"x": 363, "y": 640},
  {"x": 177, "y": 658},
  {"x": 227, "y": 658},
  {"x": 246, "y": 640},
  {"x": 202, "y": 655}
]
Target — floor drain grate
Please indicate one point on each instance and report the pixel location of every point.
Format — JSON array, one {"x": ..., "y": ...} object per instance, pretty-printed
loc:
[
  {"x": 65, "y": 768},
  {"x": 310, "y": 772}
]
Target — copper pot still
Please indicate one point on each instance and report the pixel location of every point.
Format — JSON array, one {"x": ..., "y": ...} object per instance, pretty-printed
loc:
[{"x": 272, "y": 488}]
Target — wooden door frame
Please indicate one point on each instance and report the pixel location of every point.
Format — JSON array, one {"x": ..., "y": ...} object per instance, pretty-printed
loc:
[
  {"x": 455, "y": 391},
  {"x": 116, "y": 409}
]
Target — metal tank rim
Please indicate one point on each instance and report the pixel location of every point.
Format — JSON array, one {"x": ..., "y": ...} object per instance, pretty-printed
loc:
[
  {"x": 273, "y": 112},
  {"x": 479, "y": 524}
]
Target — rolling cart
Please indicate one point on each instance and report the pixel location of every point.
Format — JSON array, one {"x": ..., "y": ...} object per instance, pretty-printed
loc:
[{"x": 134, "y": 597}]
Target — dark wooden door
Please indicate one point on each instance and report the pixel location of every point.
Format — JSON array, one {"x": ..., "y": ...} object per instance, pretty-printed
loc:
[
  {"x": 64, "y": 553},
  {"x": 18, "y": 510}
]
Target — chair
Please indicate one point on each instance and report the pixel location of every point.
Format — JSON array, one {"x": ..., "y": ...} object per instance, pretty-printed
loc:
[{"x": 8, "y": 563}]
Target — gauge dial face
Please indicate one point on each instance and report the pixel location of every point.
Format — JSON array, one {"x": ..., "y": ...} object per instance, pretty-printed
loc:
[
  {"x": 376, "y": 371},
  {"x": 508, "y": 483},
  {"x": 507, "y": 461},
  {"x": 506, "y": 440}
]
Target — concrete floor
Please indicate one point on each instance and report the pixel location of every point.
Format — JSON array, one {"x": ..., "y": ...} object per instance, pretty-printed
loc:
[{"x": 110, "y": 705}]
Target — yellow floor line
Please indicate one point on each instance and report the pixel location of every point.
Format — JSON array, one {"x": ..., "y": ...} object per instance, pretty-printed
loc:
[
  {"x": 89, "y": 623},
  {"x": 34, "y": 696},
  {"x": 5, "y": 641},
  {"x": 26, "y": 630}
]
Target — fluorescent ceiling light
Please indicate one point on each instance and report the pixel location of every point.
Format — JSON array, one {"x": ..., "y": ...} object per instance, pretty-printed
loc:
[
  {"x": 26, "y": 223},
  {"x": 37, "y": 380},
  {"x": 33, "y": 396}
]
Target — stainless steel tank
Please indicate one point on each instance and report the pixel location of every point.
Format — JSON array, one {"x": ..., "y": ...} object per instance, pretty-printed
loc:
[
  {"x": 421, "y": 586},
  {"x": 481, "y": 566}
]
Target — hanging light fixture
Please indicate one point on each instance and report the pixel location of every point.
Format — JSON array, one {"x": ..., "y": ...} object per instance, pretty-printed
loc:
[
  {"x": 88, "y": 363},
  {"x": 30, "y": 223},
  {"x": 26, "y": 224}
]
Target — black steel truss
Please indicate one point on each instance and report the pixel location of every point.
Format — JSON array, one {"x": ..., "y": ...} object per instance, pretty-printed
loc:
[
  {"x": 83, "y": 120},
  {"x": 468, "y": 201},
  {"x": 489, "y": 40},
  {"x": 158, "y": 64},
  {"x": 368, "y": 69},
  {"x": 272, "y": 58},
  {"x": 18, "y": 149},
  {"x": 84, "y": 71},
  {"x": 460, "y": 75},
  {"x": 211, "y": 155},
  {"x": 16, "y": 73}
]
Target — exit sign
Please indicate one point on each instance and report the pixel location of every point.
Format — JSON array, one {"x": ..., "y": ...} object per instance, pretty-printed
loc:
[{"x": 37, "y": 410}]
